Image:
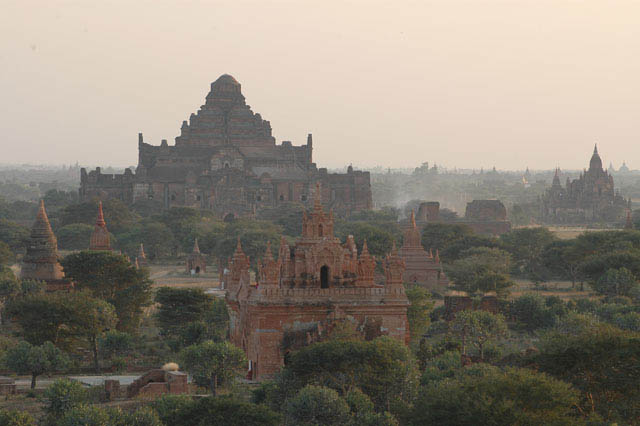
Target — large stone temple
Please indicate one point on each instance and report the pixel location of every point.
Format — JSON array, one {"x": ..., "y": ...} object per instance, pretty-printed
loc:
[
  {"x": 310, "y": 287},
  {"x": 227, "y": 160},
  {"x": 590, "y": 198}
]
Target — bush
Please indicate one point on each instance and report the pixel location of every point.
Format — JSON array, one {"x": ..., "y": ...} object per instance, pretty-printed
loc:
[
  {"x": 317, "y": 405},
  {"x": 64, "y": 395},
  {"x": 16, "y": 418}
]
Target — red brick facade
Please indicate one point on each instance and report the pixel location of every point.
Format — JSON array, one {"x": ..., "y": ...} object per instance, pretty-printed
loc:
[{"x": 308, "y": 289}]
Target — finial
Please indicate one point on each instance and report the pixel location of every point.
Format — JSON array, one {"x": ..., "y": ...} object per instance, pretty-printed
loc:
[
  {"x": 100, "y": 221},
  {"x": 412, "y": 219},
  {"x": 365, "y": 248},
  {"x": 595, "y": 148}
]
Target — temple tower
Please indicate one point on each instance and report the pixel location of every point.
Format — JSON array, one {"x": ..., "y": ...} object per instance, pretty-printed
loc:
[
  {"x": 41, "y": 260},
  {"x": 100, "y": 239}
]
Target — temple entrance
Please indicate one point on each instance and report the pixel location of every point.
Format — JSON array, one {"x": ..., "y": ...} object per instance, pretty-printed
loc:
[
  {"x": 324, "y": 277},
  {"x": 197, "y": 269}
]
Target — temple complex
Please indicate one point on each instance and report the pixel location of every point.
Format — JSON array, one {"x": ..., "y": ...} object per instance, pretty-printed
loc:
[
  {"x": 100, "y": 239},
  {"x": 421, "y": 267},
  {"x": 41, "y": 260},
  {"x": 309, "y": 288},
  {"x": 196, "y": 262},
  {"x": 227, "y": 160},
  {"x": 590, "y": 198}
]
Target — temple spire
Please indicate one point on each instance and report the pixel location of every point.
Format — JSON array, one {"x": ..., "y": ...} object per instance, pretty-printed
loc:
[
  {"x": 196, "y": 248},
  {"x": 100, "y": 239},
  {"x": 41, "y": 260},
  {"x": 412, "y": 220},
  {"x": 100, "y": 221}
]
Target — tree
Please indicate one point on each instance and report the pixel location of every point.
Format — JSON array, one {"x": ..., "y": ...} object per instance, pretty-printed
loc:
[
  {"x": 109, "y": 276},
  {"x": 62, "y": 396},
  {"x": 487, "y": 395},
  {"x": 526, "y": 246},
  {"x": 75, "y": 236},
  {"x": 9, "y": 287},
  {"x": 438, "y": 236},
  {"x": 317, "y": 405},
  {"x": 563, "y": 259},
  {"x": 159, "y": 242},
  {"x": 418, "y": 311},
  {"x": 43, "y": 317},
  {"x": 91, "y": 319},
  {"x": 379, "y": 238},
  {"x": 481, "y": 269},
  {"x": 179, "y": 306},
  {"x": 175, "y": 410},
  {"x": 213, "y": 362},
  {"x": 95, "y": 415},
  {"x": 596, "y": 265},
  {"x": 616, "y": 282},
  {"x": 114, "y": 343},
  {"x": 478, "y": 327},
  {"x": 14, "y": 235},
  {"x": 531, "y": 313},
  {"x": 6, "y": 255},
  {"x": 25, "y": 358},
  {"x": 116, "y": 214},
  {"x": 603, "y": 362},
  {"x": 382, "y": 368}
]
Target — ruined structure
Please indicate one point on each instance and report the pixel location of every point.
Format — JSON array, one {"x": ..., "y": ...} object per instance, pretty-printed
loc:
[
  {"x": 421, "y": 267},
  {"x": 196, "y": 262},
  {"x": 41, "y": 260},
  {"x": 307, "y": 290},
  {"x": 227, "y": 160},
  {"x": 590, "y": 198},
  {"x": 100, "y": 239},
  {"x": 485, "y": 217}
]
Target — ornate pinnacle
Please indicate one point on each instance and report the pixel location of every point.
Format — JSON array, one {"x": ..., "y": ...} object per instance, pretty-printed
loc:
[
  {"x": 100, "y": 221},
  {"x": 196, "y": 248},
  {"x": 268, "y": 256},
  {"x": 412, "y": 219}
]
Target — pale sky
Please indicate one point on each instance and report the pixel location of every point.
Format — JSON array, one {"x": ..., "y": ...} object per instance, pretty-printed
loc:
[{"x": 460, "y": 83}]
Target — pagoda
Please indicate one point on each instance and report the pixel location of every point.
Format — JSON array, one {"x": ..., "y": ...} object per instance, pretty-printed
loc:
[
  {"x": 41, "y": 260},
  {"x": 421, "y": 267},
  {"x": 100, "y": 237}
]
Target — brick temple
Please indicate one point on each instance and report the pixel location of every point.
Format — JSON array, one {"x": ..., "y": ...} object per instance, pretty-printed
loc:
[
  {"x": 41, "y": 263},
  {"x": 309, "y": 288},
  {"x": 421, "y": 268},
  {"x": 227, "y": 160}
]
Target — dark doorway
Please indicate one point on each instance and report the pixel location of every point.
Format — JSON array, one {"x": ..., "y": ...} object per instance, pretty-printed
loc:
[
  {"x": 324, "y": 277},
  {"x": 197, "y": 269}
]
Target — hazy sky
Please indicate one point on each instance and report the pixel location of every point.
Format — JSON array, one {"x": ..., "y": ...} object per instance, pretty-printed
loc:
[{"x": 460, "y": 83}]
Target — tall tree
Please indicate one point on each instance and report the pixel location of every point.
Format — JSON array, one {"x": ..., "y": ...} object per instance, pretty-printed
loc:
[
  {"x": 25, "y": 358},
  {"x": 478, "y": 328},
  {"x": 213, "y": 362},
  {"x": 526, "y": 245},
  {"x": 109, "y": 276}
]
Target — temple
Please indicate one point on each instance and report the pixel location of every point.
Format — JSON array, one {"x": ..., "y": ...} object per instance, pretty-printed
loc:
[
  {"x": 227, "y": 160},
  {"x": 308, "y": 289},
  {"x": 590, "y": 198},
  {"x": 100, "y": 239},
  {"x": 421, "y": 268},
  {"x": 196, "y": 261},
  {"x": 41, "y": 260}
]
